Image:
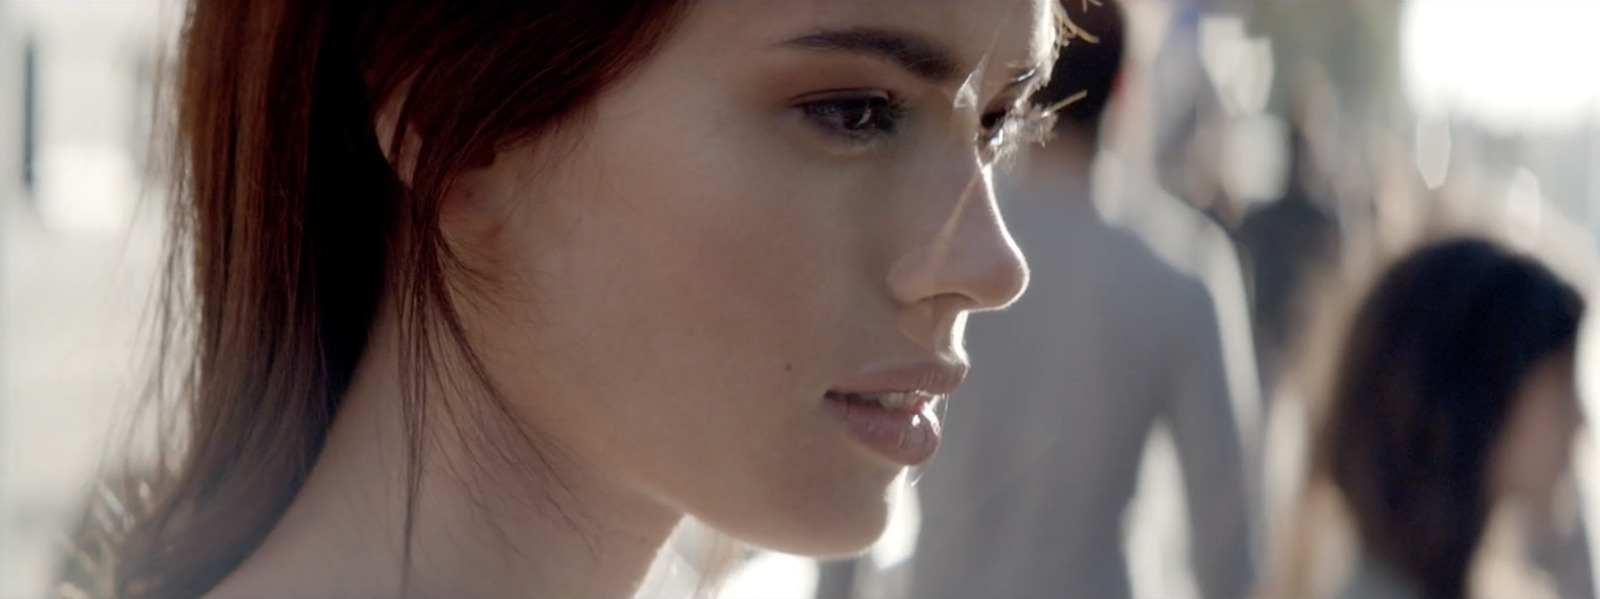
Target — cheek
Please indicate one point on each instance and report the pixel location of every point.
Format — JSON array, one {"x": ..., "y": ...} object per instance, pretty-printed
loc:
[
  {"x": 1564, "y": 422},
  {"x": 727, "y": 313},
  {"x": 1558, "y": 421},
  {"x": 1541, "y": 439},
  {"x": 719, "y": 272},
  {"x": 690, "y": 291},
  {"x": 687, "y": 299},
  {"x": 731, "y": 265}
]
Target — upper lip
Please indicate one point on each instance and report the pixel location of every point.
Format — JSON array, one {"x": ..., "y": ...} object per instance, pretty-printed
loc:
[{"x": 933, "y": 377}]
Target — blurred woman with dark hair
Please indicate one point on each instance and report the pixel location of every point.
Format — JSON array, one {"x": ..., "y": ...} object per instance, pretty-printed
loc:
[{"x": 1454, "y": 395}]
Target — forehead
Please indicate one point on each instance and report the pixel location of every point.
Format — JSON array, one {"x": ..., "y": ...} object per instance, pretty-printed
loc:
[{"x": 996, "y": 35}]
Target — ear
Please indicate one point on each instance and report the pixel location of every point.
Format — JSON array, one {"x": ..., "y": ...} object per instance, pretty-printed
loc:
[
  {"x": 385, "y": 124},
  {"x": 469, "y": 194}
]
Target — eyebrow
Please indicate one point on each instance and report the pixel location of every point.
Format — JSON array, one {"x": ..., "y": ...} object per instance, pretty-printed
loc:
[{"x": 922, "y": 57}]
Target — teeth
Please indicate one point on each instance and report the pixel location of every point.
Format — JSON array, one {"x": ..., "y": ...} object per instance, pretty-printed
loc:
[{"x": 893, "y": 401}]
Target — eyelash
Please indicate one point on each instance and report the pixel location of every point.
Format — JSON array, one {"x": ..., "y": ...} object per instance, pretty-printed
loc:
[
  {"x": 860, "y": 120},
  {"x": 867, "y": 119},
  {"x": 1005, "y": 132}
]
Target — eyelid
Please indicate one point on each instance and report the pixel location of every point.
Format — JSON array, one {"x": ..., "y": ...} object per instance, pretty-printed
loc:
[
  {"x": 844, "y": 94},
  {"x": 1006, "y": 109},
  {"x": 1020, "y": 124},
  {"x": 1007, "y": 103},
  {"x": 822, "y": 110}
]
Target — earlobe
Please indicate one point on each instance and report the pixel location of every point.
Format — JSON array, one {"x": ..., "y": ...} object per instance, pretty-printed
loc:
[{"x": 477, "y": 197}]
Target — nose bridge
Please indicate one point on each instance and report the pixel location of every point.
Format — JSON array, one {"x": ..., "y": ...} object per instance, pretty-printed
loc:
[{"x": 970, "y": 255}]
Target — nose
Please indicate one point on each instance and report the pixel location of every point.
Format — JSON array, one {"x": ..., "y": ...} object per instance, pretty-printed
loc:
[{"x": 971, "y": 258}]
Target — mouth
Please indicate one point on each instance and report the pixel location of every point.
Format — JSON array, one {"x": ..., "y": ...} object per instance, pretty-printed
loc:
[
  {"x": 892, "y": 411},
  {"x": 894, "y": 401}
]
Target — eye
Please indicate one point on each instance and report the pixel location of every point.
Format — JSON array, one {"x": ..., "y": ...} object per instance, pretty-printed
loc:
[
  {"x": 857, "y": 118},
  {"x": 1001, "y": 132},
  {"x": 992, "y": 126}
]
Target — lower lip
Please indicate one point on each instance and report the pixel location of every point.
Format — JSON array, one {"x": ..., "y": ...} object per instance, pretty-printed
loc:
[{"x": 905, "y": 438}]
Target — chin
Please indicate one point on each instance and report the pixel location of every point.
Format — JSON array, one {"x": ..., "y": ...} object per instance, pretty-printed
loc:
[
  {"x": 823, "y": 521},
  {"x": 841, "y": 533}
]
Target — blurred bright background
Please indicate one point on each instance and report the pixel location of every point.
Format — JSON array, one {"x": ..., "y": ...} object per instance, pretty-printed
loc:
[
  {"x": 1488, "y": 103},
  {"x": 78, "y": 255}
]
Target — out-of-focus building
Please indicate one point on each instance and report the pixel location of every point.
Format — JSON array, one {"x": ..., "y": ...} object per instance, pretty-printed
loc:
[
  {"x": 10, "y": 188},
  {"x": 79, "y": 246}
]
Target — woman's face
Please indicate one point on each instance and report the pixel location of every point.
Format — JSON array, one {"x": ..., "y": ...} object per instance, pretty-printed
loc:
[
  {"x": 1535, "y": 449},
  {"x": 712, "y": 288}
]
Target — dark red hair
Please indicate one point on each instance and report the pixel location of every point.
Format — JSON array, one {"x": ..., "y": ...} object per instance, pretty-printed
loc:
[{"x": 290, "y": 225}]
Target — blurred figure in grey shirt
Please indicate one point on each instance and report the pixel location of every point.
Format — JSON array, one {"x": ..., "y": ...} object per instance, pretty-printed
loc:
[{"x": 1041, "y": 459}]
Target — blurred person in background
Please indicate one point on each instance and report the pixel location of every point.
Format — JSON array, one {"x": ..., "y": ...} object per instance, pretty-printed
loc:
[
  {"x": 1189, "y": 119},
  {"x": 1027, "y": 497},
  {"x": 1282, "y": 246},
  {"x": 483, "y": 299},
  {"x": 1446, "y": 438}
]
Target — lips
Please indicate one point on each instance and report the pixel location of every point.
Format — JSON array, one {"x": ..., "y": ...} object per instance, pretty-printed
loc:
[
  {"x": 899, "y": 401},
  {"x": 890, "y": 409}
]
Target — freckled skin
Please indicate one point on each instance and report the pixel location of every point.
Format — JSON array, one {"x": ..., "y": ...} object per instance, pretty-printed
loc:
[{"x": 678, "y": 292}]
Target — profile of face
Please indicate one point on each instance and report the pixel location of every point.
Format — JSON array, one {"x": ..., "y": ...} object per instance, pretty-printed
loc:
[
  {"x": 1535, "y": 447},
  {"x": 737, "y": 284}
]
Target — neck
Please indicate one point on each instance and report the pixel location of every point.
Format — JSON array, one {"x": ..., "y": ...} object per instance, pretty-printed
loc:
[{"x": 490, "y": 520}]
